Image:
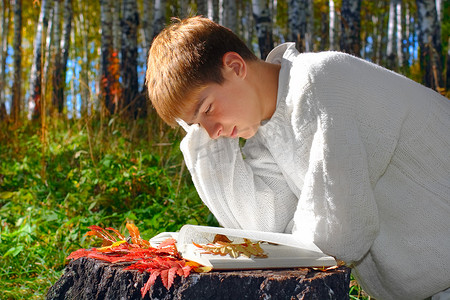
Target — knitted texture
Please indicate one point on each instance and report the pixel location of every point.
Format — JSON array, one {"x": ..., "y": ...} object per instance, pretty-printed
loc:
[{"x": 355, "y": 159}]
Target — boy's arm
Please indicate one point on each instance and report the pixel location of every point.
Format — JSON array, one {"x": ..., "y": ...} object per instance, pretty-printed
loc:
[
  {"x": 337, "y": 208},
  {"x": 246, "y": 193}
]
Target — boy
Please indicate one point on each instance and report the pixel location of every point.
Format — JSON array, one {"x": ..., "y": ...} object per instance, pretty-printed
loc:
[{"x": 338, "y": 151}]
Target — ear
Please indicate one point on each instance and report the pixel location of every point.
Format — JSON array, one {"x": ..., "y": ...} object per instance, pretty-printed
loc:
[{"x": 234, "y": 62}]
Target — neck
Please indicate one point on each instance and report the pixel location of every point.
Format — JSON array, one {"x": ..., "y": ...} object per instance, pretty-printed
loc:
[{"x": 265, "y": 81}]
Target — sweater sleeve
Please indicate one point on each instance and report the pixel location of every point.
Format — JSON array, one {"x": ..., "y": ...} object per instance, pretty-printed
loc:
[
  {"x": 337, "y": 209},
  {"x": 246, "y": 193}
]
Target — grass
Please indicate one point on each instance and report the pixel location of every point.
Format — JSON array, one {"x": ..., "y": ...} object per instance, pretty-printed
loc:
[{"x": 86, "y": 172}]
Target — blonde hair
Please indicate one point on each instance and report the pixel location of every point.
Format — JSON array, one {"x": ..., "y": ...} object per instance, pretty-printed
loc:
[{"x": 185, "y": 57}]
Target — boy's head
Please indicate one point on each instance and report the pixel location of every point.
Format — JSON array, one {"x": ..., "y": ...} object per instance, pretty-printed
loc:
[{"x": 183, "y": 59}]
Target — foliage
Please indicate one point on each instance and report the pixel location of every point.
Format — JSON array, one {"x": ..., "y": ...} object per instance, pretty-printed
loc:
[
  {"x": 223, "y": 246},
  {"x": 87, "y": 172},
  {"x": 163, "y": 261}
]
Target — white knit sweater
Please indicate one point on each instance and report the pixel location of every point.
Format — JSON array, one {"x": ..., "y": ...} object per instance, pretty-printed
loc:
[{"x": 356, "y": 158}]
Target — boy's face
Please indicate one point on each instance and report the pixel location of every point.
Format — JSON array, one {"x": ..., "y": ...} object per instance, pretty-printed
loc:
[{"x": 230, "y": 109}]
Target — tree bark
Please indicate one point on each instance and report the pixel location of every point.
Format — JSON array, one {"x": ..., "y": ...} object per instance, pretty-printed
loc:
[
  {"x": 392, "y": 36},
  {"x": 108, "y": 78},
  {"x": 56, "y": 56},
  {"x": 263, "y": 23},
  {"x": 430, "y": 44},
  {"x": 65, "y": 47},
  {"x": 333, "y": 28},
  {"x": 84, "y": 72},
  {"x": 17, "y": 47},
  {"x": 87, "y": 278},
  {"x": 35, "y": 89},
  {"x": 351, "y": 27},
  {"x": 129, "y": 59},
  {"x": 3, "y": 53},
  {"x": 298, "y": 23},
  {"x": 159, "y": 19},
  {"x": 230, "y": 11}
]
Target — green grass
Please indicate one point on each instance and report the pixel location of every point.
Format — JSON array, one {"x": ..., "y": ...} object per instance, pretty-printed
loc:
[{"x": 86, "y": 173}]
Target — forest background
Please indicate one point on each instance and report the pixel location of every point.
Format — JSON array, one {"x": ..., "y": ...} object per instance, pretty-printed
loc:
[{"x": 80, "y": 144}]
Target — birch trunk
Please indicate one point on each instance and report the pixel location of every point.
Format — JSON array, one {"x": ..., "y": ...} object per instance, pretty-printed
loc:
[
  {"x": 298, "y": 23},
  {"x": 213, "y": 10},
  {"x": 129, "y": 58},
  {"x": 107, "y": 79},
  {"x": 84, "y": 80},
  {"x": 3, "y": 53},
  {"x": 448, "y": 68},
  {"x": 47, "y": 57},
  {"x": 147, "y": 25},
  {"x": 333, "y": 26},
  {"x": 159, "y": 19},
  {"x": 399, "y": 36},
  {"x": 61, "y": 61},
  {"x": 35, "y": 88},
  {"x": 392, "y": 35},
  {"x": 115, "y": 10},
  {"x": 230, "y": 13},
  {"x": 56, "y": 56},
  {"x": 17, "y": 59},
  {"x": 263, "y": 24},
  {"x": 202, "y": 8},
  {"x": 430, "y": 44},
  {"x": 351, "y": 27}
]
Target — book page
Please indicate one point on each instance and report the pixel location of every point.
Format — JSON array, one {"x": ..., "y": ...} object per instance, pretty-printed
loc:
[{"x": 205, "y": 234}]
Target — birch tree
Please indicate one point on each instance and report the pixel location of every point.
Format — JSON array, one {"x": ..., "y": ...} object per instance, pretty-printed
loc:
[
  {"x": 61, "y": 59},
  {"x": 34, "y": 99},
  {"x": 129, "y": 57},
  {"x": 392, "y": 36},
  {"x": 115, "y": 11},
  {"x": 230, "y": 13},
  {"x": 159, "y": 19},
  {"x": 213, "y": 10},
  {"x": 56, "y": 54},
  {"x": 351, "y": 27},
  {"x": 202, "y": 8},
  {"x": 107, "y": 77},
  {"x": 17, "y": 48},
  {"x": 263, "y": 24},
  {"x": 332, "y": 33},
  {"x": 84, "y": 72},
  {"x": 3, "y": 53},
  {"x": 430, "y": 44},
  {"x": 147, "y": 24},
  {"x": 298, "y": 23}
]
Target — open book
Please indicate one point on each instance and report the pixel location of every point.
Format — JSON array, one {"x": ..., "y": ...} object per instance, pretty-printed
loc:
[{"x": 283, "y": 250}]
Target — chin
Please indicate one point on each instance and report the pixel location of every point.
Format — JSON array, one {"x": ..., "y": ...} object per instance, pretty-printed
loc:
[{"x": 248, "y": 134}]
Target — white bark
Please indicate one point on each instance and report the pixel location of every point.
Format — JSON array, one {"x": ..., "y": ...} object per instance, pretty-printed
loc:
[
  {"x": 263, "y": 23},
  {"x": 159, "y": 16},
  {"x": 230, "y": 13},
  {"x": 3, "y": 55},
  {"x": 332, "y": 28}
]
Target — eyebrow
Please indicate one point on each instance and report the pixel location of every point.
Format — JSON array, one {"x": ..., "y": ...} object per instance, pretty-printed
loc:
[{"x": 197, "y": 109}]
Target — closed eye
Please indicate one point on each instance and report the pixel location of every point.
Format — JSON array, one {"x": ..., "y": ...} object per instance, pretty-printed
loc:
[{"x": 208, "y": 109}]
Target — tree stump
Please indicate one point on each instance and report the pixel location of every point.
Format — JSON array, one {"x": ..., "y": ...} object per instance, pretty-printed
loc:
[{"x": 87, "y": 278}]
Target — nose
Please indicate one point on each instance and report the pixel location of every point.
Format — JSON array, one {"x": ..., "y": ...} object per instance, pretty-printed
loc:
[{"x": 214, "y": 129}]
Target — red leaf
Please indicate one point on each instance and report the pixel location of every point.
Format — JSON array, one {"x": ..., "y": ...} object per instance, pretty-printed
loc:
[
  {"x": 167, "y": 242},
  {"x": 171, "y": 276},
  {"x": 164, "y": 278},
  {"x": 77, "y": 254},
  {"x": 149, "y": 283}
]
